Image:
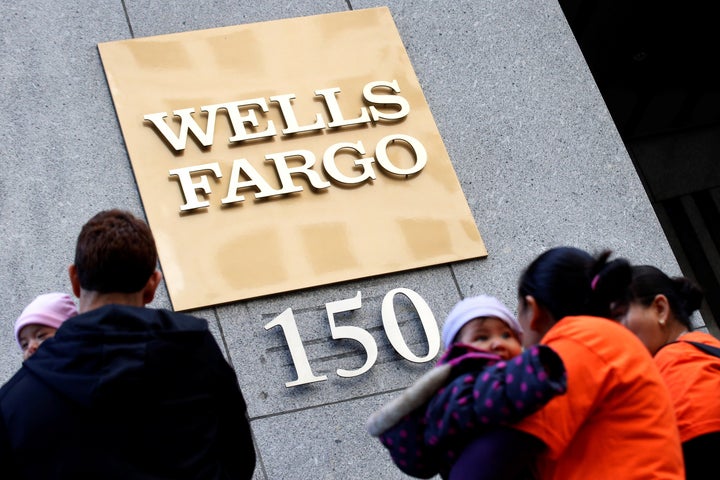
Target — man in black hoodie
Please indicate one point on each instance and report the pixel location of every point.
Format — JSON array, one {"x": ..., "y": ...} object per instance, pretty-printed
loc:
[{"x": 123, "y": 391}]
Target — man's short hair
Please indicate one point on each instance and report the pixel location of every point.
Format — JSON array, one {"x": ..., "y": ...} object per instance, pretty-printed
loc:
[{"x": 115, "y": 253}]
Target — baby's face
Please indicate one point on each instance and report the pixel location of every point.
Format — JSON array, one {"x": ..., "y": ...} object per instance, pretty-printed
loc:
[
  {"x": 31, "y": 336},
  {"x": 490, "y": 334}
]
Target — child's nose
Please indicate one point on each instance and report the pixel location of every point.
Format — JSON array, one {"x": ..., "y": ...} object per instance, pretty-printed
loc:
[{"x": 32, "y": 347}]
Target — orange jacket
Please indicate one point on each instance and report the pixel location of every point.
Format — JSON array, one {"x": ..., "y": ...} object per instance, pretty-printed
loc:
[
  {"x": 616, "y": 420},
  {"x": 693, "y": 378}
]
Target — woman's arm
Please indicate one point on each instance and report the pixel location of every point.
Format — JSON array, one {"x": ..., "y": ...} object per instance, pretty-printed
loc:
[{"x": 498, "y": 395}]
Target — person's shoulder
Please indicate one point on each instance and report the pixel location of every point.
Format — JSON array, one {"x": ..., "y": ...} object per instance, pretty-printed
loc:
[
  {"x": 682, "y": 351},
  {"x": 132, "y": 318},
  {"x": 597, "y": 341},
  {"x": 13, "y": 382},
  {"x": 701, "y": 337},
  {"x": 180, "y": 316},
  {"x": 589, "y": 328},
  {"x": 181, "y": 321}
]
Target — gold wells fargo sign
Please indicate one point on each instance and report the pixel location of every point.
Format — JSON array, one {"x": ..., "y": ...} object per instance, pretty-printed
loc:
[
  {"x": 245, "y": 176},
  {"x": 282, "y": 155}
]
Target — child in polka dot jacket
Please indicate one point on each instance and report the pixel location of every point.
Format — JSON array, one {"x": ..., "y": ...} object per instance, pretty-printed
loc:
[{"x": 502, "y": 385}]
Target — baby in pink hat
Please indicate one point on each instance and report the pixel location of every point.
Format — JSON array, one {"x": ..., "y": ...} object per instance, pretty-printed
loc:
[
  {"x": 486, "y": 324},
  {"x": 420, "y": 427},
  {"x": 41, "y": 319}
]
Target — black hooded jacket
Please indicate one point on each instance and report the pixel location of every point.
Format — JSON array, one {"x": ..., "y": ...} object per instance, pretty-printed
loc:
[{"x": 126, "y": 393}]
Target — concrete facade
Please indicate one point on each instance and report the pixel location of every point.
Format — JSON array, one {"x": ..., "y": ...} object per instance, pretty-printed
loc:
[{"x": 534, "y": 147}]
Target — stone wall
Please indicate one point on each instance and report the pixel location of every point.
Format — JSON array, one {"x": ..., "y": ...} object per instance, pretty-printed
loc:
[{"x": 535, "y": 150}]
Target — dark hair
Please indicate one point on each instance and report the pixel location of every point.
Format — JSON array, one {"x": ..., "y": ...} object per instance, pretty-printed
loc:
[
  {"x": 115, "y": 252},
  {"x": 683, "y": 295},
  {"x": 569, "y": 281}
]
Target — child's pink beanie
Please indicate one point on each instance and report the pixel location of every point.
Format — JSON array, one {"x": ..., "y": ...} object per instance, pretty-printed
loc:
[
  {"x": 49, "y": 309},
  {"x": 474, "y": 307}
]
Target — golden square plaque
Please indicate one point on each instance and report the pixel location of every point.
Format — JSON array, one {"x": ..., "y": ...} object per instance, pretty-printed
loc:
[{"x": 287, "y": 154}]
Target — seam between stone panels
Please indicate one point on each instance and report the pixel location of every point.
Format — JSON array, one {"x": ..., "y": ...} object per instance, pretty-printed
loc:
[
  {"x": 127, "y": 19},
  {"x": 222, "y": 337},
  {"x": 455, "y": 280},
  {"x": 337, "y": 402}
]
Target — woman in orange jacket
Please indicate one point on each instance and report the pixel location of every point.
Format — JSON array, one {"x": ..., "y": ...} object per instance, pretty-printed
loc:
[{"x": 657, "y": 309}]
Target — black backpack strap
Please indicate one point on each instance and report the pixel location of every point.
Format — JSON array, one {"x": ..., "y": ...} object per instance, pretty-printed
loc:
[{"x": 709, "y": 349}]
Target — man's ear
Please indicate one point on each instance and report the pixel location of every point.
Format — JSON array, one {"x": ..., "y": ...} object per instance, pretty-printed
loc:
[
  {"x": 74, "y": 280},
  {"x": 151, "y": 286}
]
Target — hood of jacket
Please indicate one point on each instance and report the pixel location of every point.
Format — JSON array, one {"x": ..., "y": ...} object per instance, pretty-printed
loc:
[{"x": 110, "y": 354}]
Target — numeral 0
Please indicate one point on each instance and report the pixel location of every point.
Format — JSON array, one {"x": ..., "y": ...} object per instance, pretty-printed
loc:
[{"x": 286, "y": 321}]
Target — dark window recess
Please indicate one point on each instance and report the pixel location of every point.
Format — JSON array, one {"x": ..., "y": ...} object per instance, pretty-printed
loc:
[{"x": 655, "y": 65}]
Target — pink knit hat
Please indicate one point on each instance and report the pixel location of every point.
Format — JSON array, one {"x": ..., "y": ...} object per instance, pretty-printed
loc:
[
  {"x": 474, "y": 307},
  {"x": 49, "y": 309}
]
